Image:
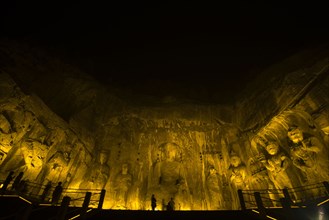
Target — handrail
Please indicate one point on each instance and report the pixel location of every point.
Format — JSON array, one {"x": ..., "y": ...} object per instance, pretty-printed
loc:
[
  {"x": 35, "y": 191},
  {"x": 317, "y": 191}
]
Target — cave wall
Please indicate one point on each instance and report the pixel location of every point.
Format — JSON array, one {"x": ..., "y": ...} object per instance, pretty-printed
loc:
[
  {"x": 197, "y": 154},
  {"x": 289, "y": 109},
  {"x": 36, "y": 141},
  {"x": 133, "y": 154}
]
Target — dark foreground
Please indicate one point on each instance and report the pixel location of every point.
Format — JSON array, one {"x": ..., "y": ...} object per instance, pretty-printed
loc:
[{"x": 18, "y": 208}]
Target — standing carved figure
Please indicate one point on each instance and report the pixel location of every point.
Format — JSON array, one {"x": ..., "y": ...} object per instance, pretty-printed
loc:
[
  {"x": 278, "y": 166},
  {"x": 305, "y": 154},
  {"x": 121, "y": 186},
  {"x": 238, "y": 177},
  {"x": 212, "y": 182},
  {"x": 277, "y": 163},
  {"x": 238, "y": 172}
]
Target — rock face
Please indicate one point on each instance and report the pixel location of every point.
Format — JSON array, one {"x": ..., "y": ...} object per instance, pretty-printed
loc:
[
  {"x": 66, "y": 127},
  {"x": 36, "y": 141}
]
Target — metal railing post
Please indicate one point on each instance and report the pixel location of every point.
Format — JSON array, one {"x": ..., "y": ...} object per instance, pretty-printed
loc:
[
  {"x": 326, "y": 185},
  {"x": 63, "y": 208},
  {"x": 26, "y": 213},
  {"x": 241, "y": 199},
  {"x": 101, "y": 199},
  {"x": 260, "y": 205},
  {"x": 286, "y": 207},
  {"x": 287, "y": 196},
  {"x": 85, "y": 205}
]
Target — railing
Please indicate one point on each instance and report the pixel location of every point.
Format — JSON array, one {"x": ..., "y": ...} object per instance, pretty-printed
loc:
[
  {"x": 270, "y": 198},
  {"x": 78, "y": 196},
  {"x": 274, "y": 198},
  {"x": 42, "y": 195},
  {"x": 303, "y": 194}
]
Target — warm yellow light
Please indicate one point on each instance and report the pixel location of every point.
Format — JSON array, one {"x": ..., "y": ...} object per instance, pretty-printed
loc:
[
  {"x": 271, "y": 217},
  {"x": 25, "y": 200},
  {"x": 79, "y": 215},
  {"x": 321, "y": 203}
]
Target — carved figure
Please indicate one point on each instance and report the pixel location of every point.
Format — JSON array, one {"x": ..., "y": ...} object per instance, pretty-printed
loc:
[
  {"x": 34, "y": 155},
  {"x": 7, "y": 136},
  {"x": 277, "y": 165},
  {"x": 182, "y": 197},
  {"x": 305, "y": 154},
  {"x": 238, "y": 172},
  {"x": 238, "y": 177},
  {"x": 55, "y": 166},
  {"x": 280, "y": 172},
  {"x": 122, "y": 184},
  {"x": 260, "y": 179},
  {"x": 97, "y": 177},
  {"x": 168, "y": 173},
  {"x": 212, "y": 183}
]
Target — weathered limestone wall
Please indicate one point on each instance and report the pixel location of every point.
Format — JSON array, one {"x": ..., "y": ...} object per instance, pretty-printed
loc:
[
  {"x": 34, "y": 140},
  {"x": 149, "y": 143},
  {"x": 286, "y": 119},
  {"x": 65, "y": 127},
  {"x": 300, "y": 78},
  {"x": 172, "y": 157}
]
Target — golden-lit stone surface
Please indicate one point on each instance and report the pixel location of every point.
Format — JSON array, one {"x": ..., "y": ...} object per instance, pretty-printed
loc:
[{"x": 197, "y": 154}]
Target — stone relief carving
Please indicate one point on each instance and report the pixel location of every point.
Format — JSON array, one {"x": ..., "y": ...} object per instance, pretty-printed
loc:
[
  {"x": 238, "y": 172},
  {"x": 55, "y": 169},
  {"x": 279, "y": 168},
  {"x": 48, "y": 153},
  {"x": 6, "y": 137},
  {"x": 34, "y": 156},
  {"x": 294, "y": 150},
  {"x": 168, "y": 174},
  {"x": 122, "y": 184},
  {"x": 238, "y": 177},
  {"x": 97, "y": 175},
  {"x": 305, "y": 151},
  {"x": 214, "y": 191}
]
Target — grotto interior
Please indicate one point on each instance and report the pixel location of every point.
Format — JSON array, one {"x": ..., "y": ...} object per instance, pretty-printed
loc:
[{"x": 57, "y": 124}]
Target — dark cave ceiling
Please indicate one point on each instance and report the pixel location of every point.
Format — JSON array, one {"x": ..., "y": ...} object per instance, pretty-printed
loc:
[{"x": 187, "y": 52}]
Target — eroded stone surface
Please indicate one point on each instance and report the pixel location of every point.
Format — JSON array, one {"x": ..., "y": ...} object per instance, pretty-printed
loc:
[{"x": 198, "y": 155}]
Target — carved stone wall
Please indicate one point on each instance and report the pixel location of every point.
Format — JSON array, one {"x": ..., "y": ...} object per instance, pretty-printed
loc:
[
  {"x": 34, "y": 140},
  {"x": 199, "y": 155}
]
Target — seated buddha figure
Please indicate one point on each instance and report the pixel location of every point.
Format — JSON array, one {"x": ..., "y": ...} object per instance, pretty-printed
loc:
[{"x": 167, "y": 174}]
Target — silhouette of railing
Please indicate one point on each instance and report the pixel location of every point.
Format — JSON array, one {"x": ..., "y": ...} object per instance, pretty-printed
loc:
[
  {"x": 35, "y": 193},
  {"x": 39, "y": 196},
  {"x": 301, "y": 196}
]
